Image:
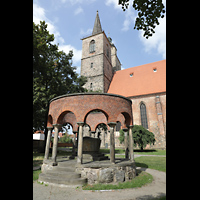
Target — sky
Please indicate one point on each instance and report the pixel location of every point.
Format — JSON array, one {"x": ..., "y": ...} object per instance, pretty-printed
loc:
[{"x": 71, "y": 20}]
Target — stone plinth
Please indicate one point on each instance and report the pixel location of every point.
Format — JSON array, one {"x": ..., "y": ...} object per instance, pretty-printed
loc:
[
  {"x": 106, "y": 172},
  {"x": 91, "y": 148},
  {"x": 91, "y": 145}
]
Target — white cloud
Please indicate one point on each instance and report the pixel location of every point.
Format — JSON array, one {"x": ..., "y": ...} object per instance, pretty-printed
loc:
[
  {"x": 87, "y": 32},
  {"x": 129, "y": 19},
  {"x": 78, "y": 11},
  {"x": 114, "y": 3},
  {"x": 158, "y": 40},
  {"x": 39, "y": 15},
  {"x": 129, "y": 14},
  {"x": 77, "y": 1},
  {"x": 77, "y": 53}
]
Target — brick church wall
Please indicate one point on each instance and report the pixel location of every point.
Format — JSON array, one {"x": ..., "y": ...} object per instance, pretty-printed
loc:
[{"x": 152, "y": 116}]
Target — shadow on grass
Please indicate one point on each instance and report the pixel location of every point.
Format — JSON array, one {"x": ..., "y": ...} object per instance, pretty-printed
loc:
[
  {"x": 145, "y": 150},
  {"x": 141, "y": 165}
]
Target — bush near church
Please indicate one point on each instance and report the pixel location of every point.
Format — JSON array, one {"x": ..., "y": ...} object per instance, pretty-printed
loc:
[{"x": 141, "y": 136}]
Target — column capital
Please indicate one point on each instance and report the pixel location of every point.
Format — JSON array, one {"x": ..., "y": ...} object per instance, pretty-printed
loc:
[
  {"x": 125, "y": 129},
  {"x": 57, "y": 125},
  {"x": 74, "y": 132},
  {"x": 112, "y": 124},
  {"x": 130, "y": 126},
  {"x": 80, "y": 123},
  {"x": 50, "y": 127}
]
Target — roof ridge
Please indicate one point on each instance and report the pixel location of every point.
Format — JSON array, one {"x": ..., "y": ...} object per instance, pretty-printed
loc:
[{"x": 140, "y": 65}]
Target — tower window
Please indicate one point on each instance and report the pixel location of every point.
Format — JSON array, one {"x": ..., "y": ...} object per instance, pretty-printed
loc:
[
  {"x": 154, "y": 70},
  {"x": 107, "y": 53},
  {"x": 143, "y": 115},
  {"x": 92, "y": 46},
  {"x": 131, "y": 74},
  {"x": 91, "y": 66},
  {"x": 90, "y": 86}
]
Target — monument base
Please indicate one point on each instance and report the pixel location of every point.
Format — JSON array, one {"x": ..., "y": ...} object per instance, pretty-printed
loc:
[{"x": 106, "y": 172}]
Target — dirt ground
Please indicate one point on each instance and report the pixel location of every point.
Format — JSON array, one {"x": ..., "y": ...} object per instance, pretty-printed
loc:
[{"x": 155, "y": 189}]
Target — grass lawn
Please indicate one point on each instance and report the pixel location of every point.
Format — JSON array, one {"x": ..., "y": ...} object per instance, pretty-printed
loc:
[
  {"x": 36, "y": 174},
  {"x": 150, "y": 152},
  {"x": 137, "y": 151},
  {"x": 143, "y": 178},
  {"x": 157, "y": 163}
]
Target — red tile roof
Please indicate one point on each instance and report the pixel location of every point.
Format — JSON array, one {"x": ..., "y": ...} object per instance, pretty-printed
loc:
[{"x": 140, "y": 80}]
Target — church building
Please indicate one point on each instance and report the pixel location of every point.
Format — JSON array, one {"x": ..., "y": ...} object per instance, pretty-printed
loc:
[{"x": 145, "y": 85}]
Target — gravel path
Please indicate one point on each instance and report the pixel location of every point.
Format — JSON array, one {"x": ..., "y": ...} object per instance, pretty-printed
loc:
[{"x": 152, "y": 190}]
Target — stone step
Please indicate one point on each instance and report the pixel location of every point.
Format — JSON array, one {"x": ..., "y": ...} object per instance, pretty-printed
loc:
[
  {"x": 64, "y": 169},
  {"x": 67, "y": 164},
  {"x": 61, "y": 180},
  {"x": 64, "y": 174}
]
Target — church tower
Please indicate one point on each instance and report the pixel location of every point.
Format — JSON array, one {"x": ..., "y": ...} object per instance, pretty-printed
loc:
[{"x": 98, "y": 55}]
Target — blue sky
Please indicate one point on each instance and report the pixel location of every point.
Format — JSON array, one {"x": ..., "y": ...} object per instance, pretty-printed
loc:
[{"x": 71, "y": 20}]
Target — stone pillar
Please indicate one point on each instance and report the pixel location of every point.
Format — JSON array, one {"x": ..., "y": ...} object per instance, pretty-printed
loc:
[
  {"x": 131, "y": 142},
  {"x": 55, "y": 142},
  {"x": 126, "y": 141},
  {"x": 103, "y": 137},
  {"x": 160, "y": 116},
  {"x": 48, "y": 143},
  {"x": 80, "y": 143},
  {"x": 112, "y": 142},
  {"x": 74, "y": 142}
]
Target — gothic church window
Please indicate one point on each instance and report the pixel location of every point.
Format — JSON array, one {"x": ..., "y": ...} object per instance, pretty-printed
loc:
[
  {"x": 92, "y": 46},
  {"x": 90, "y": 86},
  {"x": 143, "y": 115}
]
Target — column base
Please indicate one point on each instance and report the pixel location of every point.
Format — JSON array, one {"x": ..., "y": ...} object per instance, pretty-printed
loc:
[
  {"x": 79, "y": 160},
  {"x": 50, "y": 162}
]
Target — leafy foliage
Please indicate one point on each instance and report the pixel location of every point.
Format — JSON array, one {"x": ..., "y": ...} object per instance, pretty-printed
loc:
[
  {"x": 149, "y": 11},
  {"x": 53, "y": 74},
  {"x": 141, "y": 136},
  {"x": 65, "y": 139}
]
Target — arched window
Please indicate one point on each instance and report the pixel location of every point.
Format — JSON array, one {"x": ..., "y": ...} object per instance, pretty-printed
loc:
[
  {"x": 143, "y": 115},
  {"x": 92, "y": 46}
]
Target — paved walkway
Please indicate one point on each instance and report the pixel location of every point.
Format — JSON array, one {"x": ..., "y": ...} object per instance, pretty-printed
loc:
[{"x": 155, "y": 189}]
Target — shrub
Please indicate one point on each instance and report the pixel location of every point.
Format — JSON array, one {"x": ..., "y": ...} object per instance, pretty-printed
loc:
[
  {"x": 141, "y": 136},
  {"x": 65, "y": 139}
]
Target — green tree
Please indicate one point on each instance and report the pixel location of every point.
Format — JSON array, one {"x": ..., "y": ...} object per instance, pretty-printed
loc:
[
  {"x": 53, "y": 74},
  {"x": 149, "y": 11},
  {"x": 141, "y": 136},
  {"x": 65, "y": 139}
]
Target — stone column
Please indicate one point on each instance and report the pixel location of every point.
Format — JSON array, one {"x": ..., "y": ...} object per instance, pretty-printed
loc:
[
  {"x": 126, "y": 141},
  {"x": 160, "y": 116},
  {"x": 48, "y": 143},
  {"x": 103, "y": 137},
  {"x": 55, "y": 142},
  {"x": 80, "y": 143},
  {"x": 74, "y": 142},
  {"x": 131, "y": 142},
  {"x": 112, "y": 142}
]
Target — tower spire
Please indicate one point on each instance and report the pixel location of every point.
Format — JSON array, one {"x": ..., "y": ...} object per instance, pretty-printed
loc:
[{"x": 97, "y": 25}]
